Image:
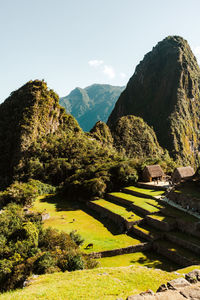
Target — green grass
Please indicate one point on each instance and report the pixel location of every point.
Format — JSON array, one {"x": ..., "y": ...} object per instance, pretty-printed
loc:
[
  {"x": 149, "y": 192},
  {"x": 119, "y": 210},
  {"x": 148, "y": 204},
  {"x": 102, "y": 284},
  {"x": 148, "y": 259},
  {"x": 188, "y": 269},
  {"x": 148, "y": 230},
  {"x": 62, "y": 213}
]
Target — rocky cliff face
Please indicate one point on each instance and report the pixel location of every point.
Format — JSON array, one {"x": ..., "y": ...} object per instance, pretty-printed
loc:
[
  {"x": 164, "y": 91},
  {"x": 91, "y": 104},
  {"x": 28, "y": 114}
]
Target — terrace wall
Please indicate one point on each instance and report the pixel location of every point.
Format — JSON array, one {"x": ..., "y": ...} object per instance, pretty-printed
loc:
[
  {"x": 121, "y": 251},
  {"x": 185, "y": 244},
  {"x": 185, "y": 201},
  {"x": 143, "y": 235},
  {"x": 152, "y": 186},
  {"x": 172, "y": 255},
  {"x": 121, "y": 222},
  {"x": 160, "y": 225}
]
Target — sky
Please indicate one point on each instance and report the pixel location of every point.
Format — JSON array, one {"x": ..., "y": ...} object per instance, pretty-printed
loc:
[{"x": 75, "y": 43}]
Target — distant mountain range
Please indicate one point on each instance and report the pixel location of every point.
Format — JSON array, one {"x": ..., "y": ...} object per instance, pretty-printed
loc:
[{"x": 91, "y": 104}]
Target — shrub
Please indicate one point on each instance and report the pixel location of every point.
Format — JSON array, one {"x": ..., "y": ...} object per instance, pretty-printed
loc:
[{"x": 76, "y": 238}]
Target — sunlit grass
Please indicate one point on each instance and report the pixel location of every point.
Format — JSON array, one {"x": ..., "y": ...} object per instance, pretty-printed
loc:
[
  {"x": 102, "y": 283},
  {"x": 148, "y": 204},
  {"x": 92, "y": 230},
  {"x": 149, "y": 192},
  {"x": 117, "y": 209},
  {"x": 148, "y": 259}
]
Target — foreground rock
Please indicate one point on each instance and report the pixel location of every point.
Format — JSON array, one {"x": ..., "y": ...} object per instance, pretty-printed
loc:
[{"x": 177, "y": 289}]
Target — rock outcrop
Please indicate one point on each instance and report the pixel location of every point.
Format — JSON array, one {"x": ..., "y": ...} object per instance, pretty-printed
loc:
[
  {"x": 177, "y": 289},
  {"x": 164, "y": 91}
]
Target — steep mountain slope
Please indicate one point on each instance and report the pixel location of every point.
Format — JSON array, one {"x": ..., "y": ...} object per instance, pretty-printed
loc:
[
  {"x": 38, "y": 140},
  {"x": 164, "y": 91},
  {"x": 91, "y": 104},
  {"x": 130, "y": 136},
  {"x": 30, "y": 112},
  {"x": 133, "y": 136}
]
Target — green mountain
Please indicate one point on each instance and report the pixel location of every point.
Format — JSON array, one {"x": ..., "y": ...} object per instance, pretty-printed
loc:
[
  {"x": 92, "y": 104},
  {"x": 38, "y": 140},
  {"x": 164, "y": 91},
  {"x": 31, "y": 112}
]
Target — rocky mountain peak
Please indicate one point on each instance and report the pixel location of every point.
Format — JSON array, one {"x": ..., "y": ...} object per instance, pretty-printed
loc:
[{"x": 164, "y": 91}]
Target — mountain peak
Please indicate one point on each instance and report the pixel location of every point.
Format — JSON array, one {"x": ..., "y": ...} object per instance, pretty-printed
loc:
[{"x": 164, "y": 91}]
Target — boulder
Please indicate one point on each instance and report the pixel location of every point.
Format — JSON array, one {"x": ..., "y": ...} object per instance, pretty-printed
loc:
[{"x": 177, "y": 283}]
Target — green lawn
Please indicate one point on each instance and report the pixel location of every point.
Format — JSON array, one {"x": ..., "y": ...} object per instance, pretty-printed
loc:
[
  {"x": 101, "y": 283},
  {"x": 148, "y": 204},
  {"x": 148, "y": 259},
  {"x": 62, "y": 213},
  {"x": 119, "y": 210},
  {"x": 149, "y": 192}
]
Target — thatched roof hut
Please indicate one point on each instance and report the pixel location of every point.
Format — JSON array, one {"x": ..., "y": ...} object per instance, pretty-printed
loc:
[
  {"x": 153, "y": 172},
  {"x": 182, "y": 173}
]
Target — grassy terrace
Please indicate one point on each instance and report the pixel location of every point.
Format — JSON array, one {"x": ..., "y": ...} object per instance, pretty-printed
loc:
[
  {"x": 163, "y": 218},
  {"x": 117, "y": 209},
  {"x": 148, "y": 259},
  {"x": 104, "y": 284},
  {"x": 148, "y": 230},
  {"x": 148, "y": 192},
  {"x": 179, "y": 250},
  {"x": 62, "y": 213},
  {"x": 150, "y": 205}
]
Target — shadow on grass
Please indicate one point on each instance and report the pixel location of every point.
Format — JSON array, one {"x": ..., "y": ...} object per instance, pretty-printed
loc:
[
  {"x": 63, "y": 203},
  {"x": 153, "y": 260}
]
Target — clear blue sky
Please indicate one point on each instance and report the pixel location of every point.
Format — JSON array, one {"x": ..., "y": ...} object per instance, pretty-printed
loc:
[{"x": 73, "y": 43}]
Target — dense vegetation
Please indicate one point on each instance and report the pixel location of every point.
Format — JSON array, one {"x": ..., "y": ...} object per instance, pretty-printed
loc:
[
  {"x": 164, "y": 91},
  {"x": 91, "y": 104},
  {"x": 27, "y": 248}
]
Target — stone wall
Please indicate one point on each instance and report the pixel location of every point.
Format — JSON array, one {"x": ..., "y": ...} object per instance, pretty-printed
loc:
[
  {"x": 185, "y": 201},
  {"x": 172, "y": 255},
  {"x": 176, "y": 289},
  {"x": 160, "y": 225},
  {"x": 145, "y": 236},
  {"x": 121, "y": 251},
  {"x": 188, "y": 227},
  {"x": 151, "y": 186},
  {"x": 185, "y": 244},
  {"x": 121, "y": 223}
]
